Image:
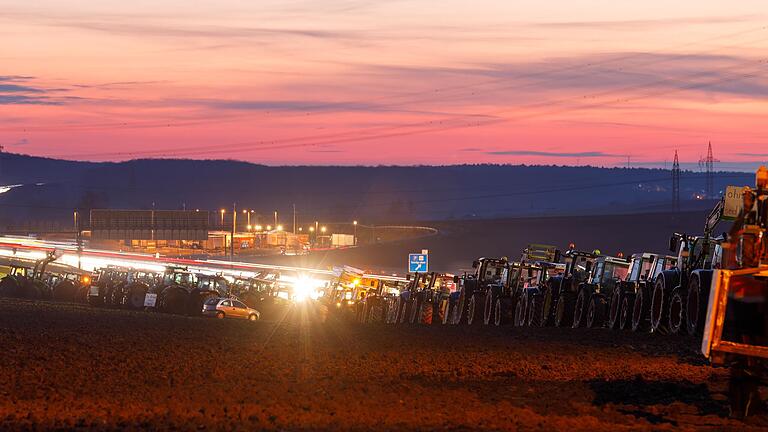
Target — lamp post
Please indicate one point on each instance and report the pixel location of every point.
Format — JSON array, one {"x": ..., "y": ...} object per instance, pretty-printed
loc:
[
  {"x": 275, "y": 217},
  {"x": 234, "y": 228},
  {"x": 222, "y": 211},
  {"x": 354, "y": 235}
]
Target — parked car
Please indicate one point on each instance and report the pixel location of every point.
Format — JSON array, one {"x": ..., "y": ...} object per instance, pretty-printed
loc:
[{"x": 229, "y": 308}]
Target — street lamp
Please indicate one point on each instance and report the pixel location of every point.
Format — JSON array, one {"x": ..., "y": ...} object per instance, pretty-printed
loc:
[
  {"x": 311, "y": 229},
  {"x": 258, "y": 227},
  {"x": 322, "y": 229},
  {"x": 250, "y": 227},
  {"x": 354, "y": 235},
  {"x": 269, "y": 227},
  {"x": 222, "y": 211},
  {"x": 279, "y": 227}
]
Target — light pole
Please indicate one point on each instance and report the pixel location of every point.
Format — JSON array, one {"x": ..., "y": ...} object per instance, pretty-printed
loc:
[
  {"x": 234, "y": 228},
  {"x": 354, "y": 235},
  {"x": 275, "y": 217},
  {"x": 222, "y": 211}
]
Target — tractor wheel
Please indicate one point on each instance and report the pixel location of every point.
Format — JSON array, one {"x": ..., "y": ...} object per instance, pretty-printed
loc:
[
  {"x": 641, "y": 310},
  {"x": 695, "y": 307},
  {"x": 65, "y": 291},
  {"x": 521, "y": 310},
  {"x": 398, "y": 305},
  {"x": 416, "y": 304},
  {"x": 34, "y": 290},
  {"x": 676, "y": 311},
  {"x": 549, "y": 307},
  {"x": 460, "y": 308},
  {"x": 475, "y": 309},
  {"x": 660, "y": 306},
  {"x": 580, "y": 309},
  {"x": 489, "y": 308},
  {"x": 536, "y": 310},
  {"x": 596, "y": 311},
  {"x": 402, "y": 309},
  {"x": 625, "y": 317},
  {"x": 503, "y": 313},
  {"x": 134, "y": 299},
  {"x": 10, "y": 286},
  {"x": 447, "y": 311},
  {"x": 617, "y": 299},
  {"x": 564, "y": 311},
  {"x": 174, "y": 299},
  {"x": 427, "y": 312},
  {"x": 82, "y": 294}
]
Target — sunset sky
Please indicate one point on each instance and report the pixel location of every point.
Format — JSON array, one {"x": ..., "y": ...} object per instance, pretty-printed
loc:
[{"x": 387, "y": 82}]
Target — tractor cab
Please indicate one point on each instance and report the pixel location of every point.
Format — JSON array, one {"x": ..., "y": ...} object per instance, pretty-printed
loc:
[
  {"x": 179, "y": 276},
  {"x": 489, "y": 270},
  {"x": 213, "y": 283}
]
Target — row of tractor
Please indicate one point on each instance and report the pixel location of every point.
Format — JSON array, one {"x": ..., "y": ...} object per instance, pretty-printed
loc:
[
  {"x": 43, "y": 279},
  {"x": 175, "y": 290},
  {"x": 646, "y": 291}
]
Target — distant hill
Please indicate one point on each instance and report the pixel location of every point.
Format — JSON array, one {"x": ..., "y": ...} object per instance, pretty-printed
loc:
[{"x": 51, "y": 189}]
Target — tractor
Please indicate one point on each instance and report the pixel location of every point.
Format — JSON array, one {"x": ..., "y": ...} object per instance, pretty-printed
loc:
[
  {"x": 467, "y": 304},
  {"x": 565, "y": 288},
  {"x": 501, "y": 298},
  {"x": 173, "y": 293},
  {"x": 375, "y": 305},
  {"x": 429, "y": 304},
  {"x": 636, "y": 292},
  {"x": 593, "y": 301},
  {"x": 531, "y": 287},
  {"x": 27, "y": 279},
  {"x": 540, "y": 294},
  {"x": 696, "y": 257}
]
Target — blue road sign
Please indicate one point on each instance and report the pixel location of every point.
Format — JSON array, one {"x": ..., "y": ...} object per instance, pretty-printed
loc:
[{"x": 418, "y": 263}]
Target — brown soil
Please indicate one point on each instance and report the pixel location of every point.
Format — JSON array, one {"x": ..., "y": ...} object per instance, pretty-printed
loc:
[{"x": 66, "y": 366}]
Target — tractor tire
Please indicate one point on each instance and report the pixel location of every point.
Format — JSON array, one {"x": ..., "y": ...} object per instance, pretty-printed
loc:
[
  {"x": 414, "y": 311},
  {"x": 564, "y": 311},
  {"x": 614, "y": 314},
  {"x": 660, "y": 306},
  {"x": 596, "y": 311},
  {"x": 65, "y": 291},
  {"x": 82, "y": 294},
  {"x": 521, "y": 310},
  {"x": 134, "y": 298},
  {"x": 490, "y": 307},
  {"x": 447, "y": 311},
  {"x": 504, "y": 311},
  {"x": 174, "y": 300},
  {"x": 641, "y": 310},
  {"x": 625, "y": 317},
  {"x": 696, "y": 307},
  {"x": 676, "y": 311},
  {"x": 396, "y": 310},
  {"x": 34, "y": 290},
  {"x": 580, "y": 308},
  {"x": 402, "y": 308},
  {"x": 10, "y": 286},
  {"x": 549, "y": 307},
  {"x": 476, "y": 308},
  {"x": 536, "y": 310},
  {"x": 461, "y": 310},
  {"x": 427, "y": 313}
]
